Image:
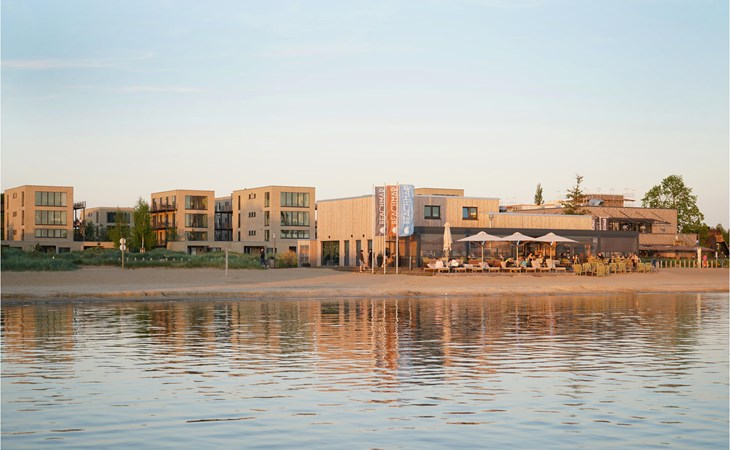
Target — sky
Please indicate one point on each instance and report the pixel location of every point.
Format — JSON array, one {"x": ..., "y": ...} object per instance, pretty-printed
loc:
[{"x": 122, "y": 99}]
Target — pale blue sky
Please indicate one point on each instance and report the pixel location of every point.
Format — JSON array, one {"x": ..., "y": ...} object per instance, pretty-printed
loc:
[{"x": 121, "y": 99}]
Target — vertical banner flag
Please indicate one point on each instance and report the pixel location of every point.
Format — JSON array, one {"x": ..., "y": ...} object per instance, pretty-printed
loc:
[
  {"x": 392, "y": 202},
  {"x": 405, "y": 210},
  {"x": 380, "y": 211},
  {"x": 394, "y": 210}
]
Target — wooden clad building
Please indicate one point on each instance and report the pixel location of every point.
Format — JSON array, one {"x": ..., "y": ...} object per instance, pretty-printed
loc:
[{"x": 346, "y": 226}]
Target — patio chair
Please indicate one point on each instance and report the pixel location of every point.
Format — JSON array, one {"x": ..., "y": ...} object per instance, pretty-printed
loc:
[
  {"x": 577, "y": 269},
  {"x": 588, "y": 269},
  {"x": 508, "y": 269},
  {"x": 600, "y": 270},
  {"x": 487, "y": 268},
  {"x": 536, "y": 265}
]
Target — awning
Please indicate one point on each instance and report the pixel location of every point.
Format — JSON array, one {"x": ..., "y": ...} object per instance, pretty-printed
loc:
[{"x": 673, "y": 248}]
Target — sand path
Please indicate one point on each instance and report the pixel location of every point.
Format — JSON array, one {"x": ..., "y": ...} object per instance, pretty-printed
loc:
[{"x": 97, "y": 283}]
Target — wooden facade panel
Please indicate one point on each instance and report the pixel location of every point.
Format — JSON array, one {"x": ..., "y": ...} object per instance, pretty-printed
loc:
[{"x": 551, "y": 222}]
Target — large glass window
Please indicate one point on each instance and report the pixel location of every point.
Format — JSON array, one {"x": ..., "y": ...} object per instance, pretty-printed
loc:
[
  {"x": 196, "y": 220},
  {"x": 469, "y": 213},
  {"x": 50, "y": 198},
  {"x": 295, "y": 234},
  {"x": 432, "y": 212},
  {"x": 111, "y": 217},
  {"x": 50, "y": 217},
  {"x": 267, "y": 218},
  {"x": 295, "y": 199},
  {"x": 50, "y": 233},
  {"x": 331, "y": 253},
  {"x": 197, "y": 202},
  {"x": 295, "y": 218},
  {"x": 196, "y": 235}
]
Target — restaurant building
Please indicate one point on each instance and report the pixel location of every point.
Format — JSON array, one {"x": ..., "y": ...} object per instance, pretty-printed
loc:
[{"x": 346, "y": 226}]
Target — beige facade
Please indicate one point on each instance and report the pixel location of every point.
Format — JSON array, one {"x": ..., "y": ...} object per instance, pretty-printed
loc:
[
  {"x": 40, "y": 217},
  {"x": 344, "y": 226},
  {"x": 104, "y": 217},
  {"x": 273, "y": 217},
  {"x": 183, "y": 217}
]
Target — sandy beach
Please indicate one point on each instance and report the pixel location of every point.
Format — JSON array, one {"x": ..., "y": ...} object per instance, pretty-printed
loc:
[{"x": 99, "y": 283}]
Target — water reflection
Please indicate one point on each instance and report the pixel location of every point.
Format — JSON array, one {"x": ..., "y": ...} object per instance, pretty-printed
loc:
[{"x": 573, "y": 369}]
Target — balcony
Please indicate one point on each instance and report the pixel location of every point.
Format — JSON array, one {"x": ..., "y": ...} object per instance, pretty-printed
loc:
[
  {"x": 168, "y": 207},
  {"x": 160, "y": 225}
]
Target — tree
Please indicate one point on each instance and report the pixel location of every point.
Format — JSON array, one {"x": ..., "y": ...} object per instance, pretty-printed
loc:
[
  {"x": 143, "y": 236},
  {"x": 573, "y": 197},
  {"x": 672, "y": 193},
  {"x": 119, "y": 230},
  {"x": 91, "y": 231},
  {"x": 538, "y": 195}
]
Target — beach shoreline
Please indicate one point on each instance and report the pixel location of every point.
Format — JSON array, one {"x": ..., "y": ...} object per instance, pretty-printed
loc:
[{"x": 111, "y": 283}]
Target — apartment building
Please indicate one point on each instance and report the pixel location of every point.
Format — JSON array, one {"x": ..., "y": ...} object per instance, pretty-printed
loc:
[
  {"x": 273, "y": 218},
  {"x": 183, "y": 219},
  {"x": 223, "y": 231},
  {"x": 98, "y": 221},
  {"x": 40, "y": 217}
]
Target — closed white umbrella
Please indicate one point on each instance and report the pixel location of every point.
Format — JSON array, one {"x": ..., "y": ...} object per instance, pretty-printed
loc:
[
  {"x": 481, "y": 237},
  {"x": 447, "y": 239}
]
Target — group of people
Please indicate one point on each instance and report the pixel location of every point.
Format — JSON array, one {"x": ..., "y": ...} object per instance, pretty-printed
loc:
[{"x": 364, "y": 263}]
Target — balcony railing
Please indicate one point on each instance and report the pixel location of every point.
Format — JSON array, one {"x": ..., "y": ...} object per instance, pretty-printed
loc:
[{"x": 163, "y": 207}]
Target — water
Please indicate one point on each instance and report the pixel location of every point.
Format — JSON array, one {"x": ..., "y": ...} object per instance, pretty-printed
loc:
[{"x": 637, "y": 371}]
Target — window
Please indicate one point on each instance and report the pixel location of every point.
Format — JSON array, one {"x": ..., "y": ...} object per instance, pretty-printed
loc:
[
  {"x": 197, "y": 202},
  {"x": 196, "y": 220},
  {"x": 267, "y": 199},
  {"x": 111, "y": 217},
  {"x": 432, "y": 212},
  {"x": 267, "y": 234},
  {"x": 196, "y": 235},
  {"x": 252, "y": 214},
  {"x": 251, "y": 197},
  {"x": 295, "y": 199},
  {"x": 295, "y": 234},
  {"x": 267, "y": 218},
  {"x": 50, "y": 217},
  {"x": 295, "y": 218},
  {"x": 469, "y": 213},
  {"x": 49, "y": 233},
  {"x": 252, "y": 232},
  {"x": 50, "y": 198}
]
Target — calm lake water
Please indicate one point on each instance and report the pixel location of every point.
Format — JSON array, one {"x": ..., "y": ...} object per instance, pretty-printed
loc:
[{"x": 635, "y": 371}]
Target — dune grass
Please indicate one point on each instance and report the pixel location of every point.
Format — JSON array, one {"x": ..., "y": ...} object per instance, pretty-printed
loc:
[{"x": 18, "y": 260}]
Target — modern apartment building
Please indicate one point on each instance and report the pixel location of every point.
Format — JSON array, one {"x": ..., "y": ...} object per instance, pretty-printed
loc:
[
  {"x": 98, "y": 221},
  {"x": 273, "y": 218},
  {"x": 184, "y": 219},
  {"x": 40, "y": 217},
  {"x": 223, "y": 219}
]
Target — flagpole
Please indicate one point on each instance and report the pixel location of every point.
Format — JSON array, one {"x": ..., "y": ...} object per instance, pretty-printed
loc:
[
  {"x": 375, "y": 233},
  {"x": 397, "y": 228},
  {"x": 385, "y": 233}
]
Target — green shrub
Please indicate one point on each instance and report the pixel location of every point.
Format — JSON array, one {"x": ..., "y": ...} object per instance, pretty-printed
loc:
[
  {"x": 17, "y": 260},
  {"x": 288, "y": 259}
]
